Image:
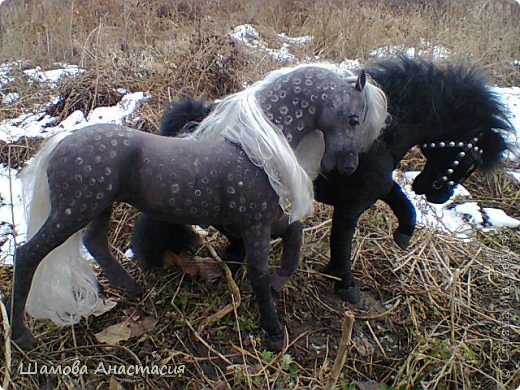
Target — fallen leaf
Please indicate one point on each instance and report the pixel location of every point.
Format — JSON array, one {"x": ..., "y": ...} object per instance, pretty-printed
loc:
[
  {"x": 184, "y": 262},
  {"x": 141, "y": 326},
  {"x": 134, "y": 326},
  {"x": 114, "y": 334},
  {"x": 115, "y": 385},
  {"x": 209, "y": 270},
  {"x": 103, "y": 306}
]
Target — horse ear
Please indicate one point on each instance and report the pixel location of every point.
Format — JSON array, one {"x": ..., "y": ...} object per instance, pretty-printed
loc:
[{"x": 361, "y": 80}]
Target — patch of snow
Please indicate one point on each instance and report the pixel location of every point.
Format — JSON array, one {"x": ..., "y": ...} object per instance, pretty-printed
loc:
[
  {"x": 129, "y": 253},
  {"x": 498, "y": 218},
  {"x": 119, "y": 113},
  {"x": 297, "y": 41},
  {"x": 10, "y": 98},
  {"x": 53, "y": 76},
  {"x": 353, "y": 65},
  {"x": 248, "y": 36},
  {"x": 514, "y": 174},
  {"x": 30, "y": 125},
  {"x": 426, "y": 49},
  {"x": 453, "y": 217},
  {"x": 510, "y": 97},
  {"x": 74, "y": 121},
  {"x": 10, "y": 209},
  {"x": 40, "y": 125},
  {"x": 5, "y": 72}
]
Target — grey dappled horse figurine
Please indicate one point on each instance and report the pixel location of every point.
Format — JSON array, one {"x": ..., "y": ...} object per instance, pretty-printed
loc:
[{"x": 240, "y": 171}]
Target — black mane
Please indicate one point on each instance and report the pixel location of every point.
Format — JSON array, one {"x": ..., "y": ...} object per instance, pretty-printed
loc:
[
  {"x": 183, "y": 116},
  {"x": 454, "y": 99}
]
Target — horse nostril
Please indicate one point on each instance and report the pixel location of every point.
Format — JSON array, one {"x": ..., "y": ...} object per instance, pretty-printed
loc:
[{"x": 437, "y": 184}]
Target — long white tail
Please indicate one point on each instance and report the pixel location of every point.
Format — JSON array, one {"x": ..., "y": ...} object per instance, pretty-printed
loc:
[{"x": 64, "y": 287}]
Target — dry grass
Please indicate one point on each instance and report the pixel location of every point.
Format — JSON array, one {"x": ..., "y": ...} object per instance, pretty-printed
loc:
[{"x": 443, "y": 314}]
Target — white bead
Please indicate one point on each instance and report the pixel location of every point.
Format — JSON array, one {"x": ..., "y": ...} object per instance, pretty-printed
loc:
[
  {"x": 451, "y": 183},
  {"x": 455, "y": 163},
  {"x": 462, "y": 154},
  {"x": 450, "y": 171},
  {"x": 461, "y": 144},
  {"x": 442, "y": 144},
  {"x": 470, "y": 146},
  {"x": 452, "y": 144}
]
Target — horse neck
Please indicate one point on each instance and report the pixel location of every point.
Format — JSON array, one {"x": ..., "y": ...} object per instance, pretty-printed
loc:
[{"x": 400, "y": 137}]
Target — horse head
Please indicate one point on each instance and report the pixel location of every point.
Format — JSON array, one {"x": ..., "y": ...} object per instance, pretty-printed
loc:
[
  {"x": 451, "y": 162},
  {"x": 342, "y": 116},
  {"x": 351, "y": 119}
]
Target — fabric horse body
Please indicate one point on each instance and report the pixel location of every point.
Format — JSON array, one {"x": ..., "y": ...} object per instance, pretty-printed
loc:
[
  {"x": 450, "y": 112},
  {"x": 238, "y": 180}
]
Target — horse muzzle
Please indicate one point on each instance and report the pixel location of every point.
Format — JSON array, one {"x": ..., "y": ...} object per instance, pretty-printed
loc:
[
  {"x": 437, "y": 196},
  {"x": 348, "y": 163},
  {"x": 345, "y": 163}
]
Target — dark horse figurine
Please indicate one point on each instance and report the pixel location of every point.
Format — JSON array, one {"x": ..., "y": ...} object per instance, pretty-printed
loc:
[
  {"x": 243, "y": 170},
  {"x": 448, "y": 111}
]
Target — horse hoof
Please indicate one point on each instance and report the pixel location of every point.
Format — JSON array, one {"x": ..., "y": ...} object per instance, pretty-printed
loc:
[
  {"x": 350, "y": 294},
  {"x": 25, "y": 340},
  {"x": 402, "y": 240},
  {"x": 278, "y": 282},
  {"x": 275, "y": 343},
  {"x": 133, "y": 291}
]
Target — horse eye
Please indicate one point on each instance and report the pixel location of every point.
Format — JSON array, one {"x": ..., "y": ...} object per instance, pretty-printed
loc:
[{"x": 353, "y": 120}]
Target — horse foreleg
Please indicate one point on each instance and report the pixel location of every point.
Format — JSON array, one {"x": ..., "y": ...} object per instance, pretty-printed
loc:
[
  {"x": 340, "y": 265},
  {"x": 95, "y": 239},
  {"x": 405, "y": 213},
  {"x": 292, "y": 239},
  {"x": 256, "y": 240}
]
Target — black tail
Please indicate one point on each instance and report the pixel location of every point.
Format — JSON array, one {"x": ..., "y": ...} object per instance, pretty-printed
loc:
[
  {"x": 183, "y": 116},
  {"x": 152, "y": 238}
]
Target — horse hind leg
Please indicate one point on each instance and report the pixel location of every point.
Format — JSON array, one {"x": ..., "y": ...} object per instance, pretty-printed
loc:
[
  {"x": 95, "y": 239},
  {"x": 43, "y": 289}
]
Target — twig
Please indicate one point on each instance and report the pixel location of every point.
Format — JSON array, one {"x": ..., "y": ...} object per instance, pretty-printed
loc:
[
  {"x": 376, "y": 339},
  {"x": 235, "y": 292},
  {"x": 7, "y": 344},
  {"x": 454, "y": 280},
  {"x": 244, "y": 360},
  {"x": 346, "y": 336},
  {"x": 200, "y": 338},
  {"x": 383, "y": 314}
]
